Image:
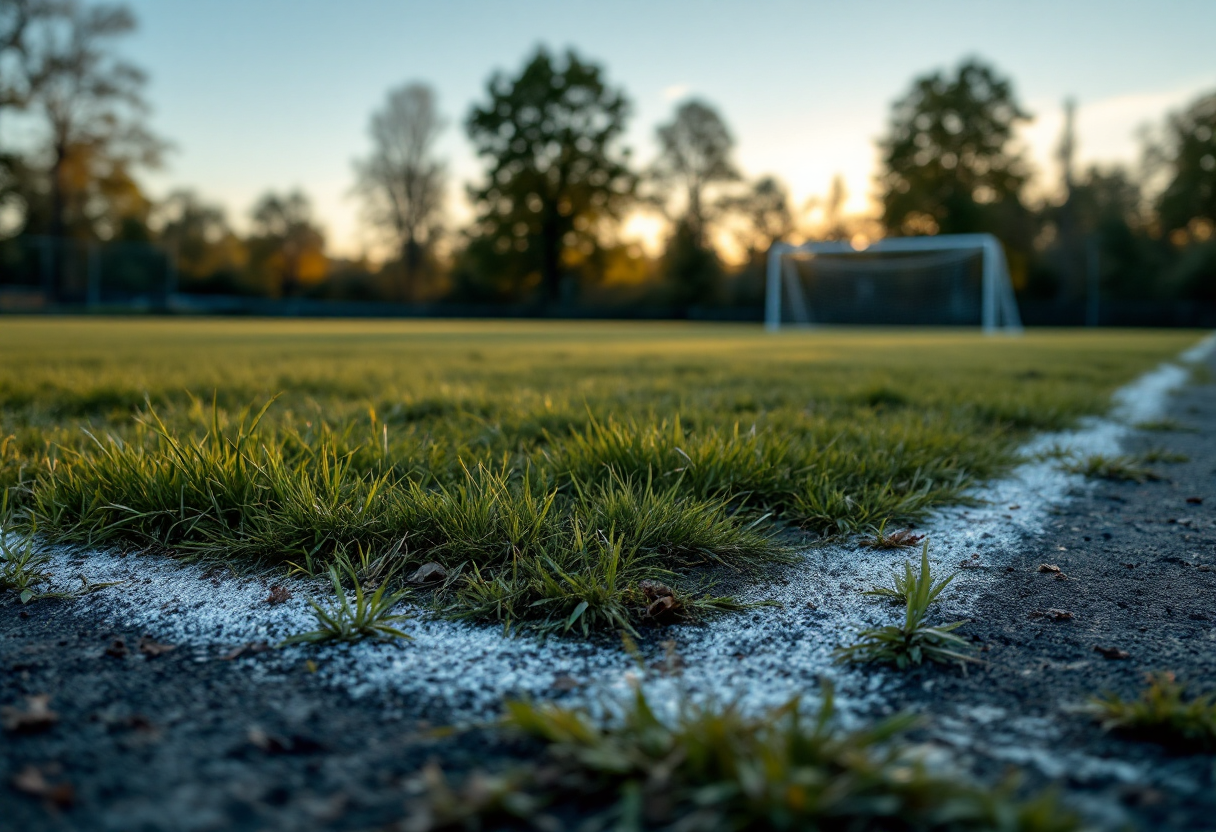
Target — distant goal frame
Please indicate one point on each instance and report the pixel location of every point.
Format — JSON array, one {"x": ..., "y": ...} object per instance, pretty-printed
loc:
[{"x": 998, "y": 307}]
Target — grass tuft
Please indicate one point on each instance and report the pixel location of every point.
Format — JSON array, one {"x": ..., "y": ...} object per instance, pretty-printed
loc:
[
  {"x": 1114, "y": 468},
  {"x": 713, "y": 767},
  {"x": 914, "y": 641},
  {"x": 370, "y": 617},
  {"x": 21, "y": 566},
  {"x": 1161, "y": 715},
  {"x": 1164, "y": 426},
  {"x": 880, "y": 538}
]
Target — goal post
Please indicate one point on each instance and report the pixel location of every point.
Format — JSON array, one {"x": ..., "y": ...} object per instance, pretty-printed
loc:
[{"x": 997, "y": 308}]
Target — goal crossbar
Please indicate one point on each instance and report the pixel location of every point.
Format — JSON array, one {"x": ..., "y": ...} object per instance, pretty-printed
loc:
[{"x": 999, "y": 310}]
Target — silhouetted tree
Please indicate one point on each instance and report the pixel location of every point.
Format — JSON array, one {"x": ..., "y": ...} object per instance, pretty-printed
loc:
[
  {"x": 692, "y": 271},
  {"x": 401, "y": 181},
  {"x": 17, "y": 82},
  {"x": 555, "y": 175},
  {"x": 694, "y": 154},
  {"x": 1185, "y": 157},
  {"x": 1188, "y": 155},
  {"x": 286, "y": 249},
  {"x": 17, "y": 78},
  {"x": 91, "y": 101},
  {"x": 764, "y": 213},
  {"x": 198, "y": 237},
  {"x": 948, "y": 161}
]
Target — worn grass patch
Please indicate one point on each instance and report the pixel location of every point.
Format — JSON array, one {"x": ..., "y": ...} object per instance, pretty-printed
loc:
[
  {"x": 553, "y": 470},
  {"x": 1162, "y": 715},
  {"x": 714, "y": 768}
]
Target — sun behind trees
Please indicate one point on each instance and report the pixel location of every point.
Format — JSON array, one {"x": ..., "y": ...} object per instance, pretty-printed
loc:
[{"x": 550, "y": 213}]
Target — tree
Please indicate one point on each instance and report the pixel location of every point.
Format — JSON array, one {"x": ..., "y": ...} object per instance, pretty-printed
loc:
[
  {"x": 91, "y": 100},
  {"x": 764, "y": 211},
  {"x": 555, "y": 176},
  {"x": 199, "y": 239},
  {"x": 948, "y": 161},
  {"x": 401, "y": 181},
  {"x": 287, "y": 251},
  {"x": 1188, "y": 155},
  {"x": 17, "y": 17},
  {"x": 17, "y": 81},
  {"x": 694, "y": 154}
]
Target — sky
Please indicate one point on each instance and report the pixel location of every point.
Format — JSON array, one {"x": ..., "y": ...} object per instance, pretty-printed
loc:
[{"x": 276, "y": 94}]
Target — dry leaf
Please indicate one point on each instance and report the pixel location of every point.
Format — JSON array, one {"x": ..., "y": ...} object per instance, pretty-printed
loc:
[
  {"x": 428, "y": 573},
  {"x": 271, "y": 744},
  {"x": 245, "y": 649},
  {"x": 36, "y": 717},
  {"x": 33, "y": 782},
  {"x": 565, "y": 683},
  {"x": 278, "y": 595},
  {"x": 152, "y": 648},
  {"x": 1111, "y": 652},
  {"x": 894, "y": 540},
  {"x": 1053, "y": 614},
  {"x": 1053, "y": 570},
  {"x": 661, "y": 600}
]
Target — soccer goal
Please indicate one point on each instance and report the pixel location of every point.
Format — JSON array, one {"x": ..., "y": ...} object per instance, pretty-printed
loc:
[{"x": 947, "y": 280}]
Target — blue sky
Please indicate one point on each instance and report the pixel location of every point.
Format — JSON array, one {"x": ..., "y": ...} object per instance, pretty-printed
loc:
[{"x": 277, "y": 93}]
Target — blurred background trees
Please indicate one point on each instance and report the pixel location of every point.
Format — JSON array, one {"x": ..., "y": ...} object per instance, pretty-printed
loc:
[
  {"x": 402, "y": 183},
  {"x": 286, "y": 249},
  {"x": 695, "y": 150},
  {"x": 558, "y": 186},
  {"x": 556, "y": 178},
  {"x": 949, "y": 163}
]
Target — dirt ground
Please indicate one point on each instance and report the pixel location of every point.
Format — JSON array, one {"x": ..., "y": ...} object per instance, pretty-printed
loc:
[{"x": 185, "y": 740}]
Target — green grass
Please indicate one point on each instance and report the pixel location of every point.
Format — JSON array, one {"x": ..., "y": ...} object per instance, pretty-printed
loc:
[
  {"x": 549, "y": 468},
  {"x": 1160, "y": 714},
  {"x": 915, "y": 641},
  {"x": 371, "y": 616},
  {"x": 715, "y": 768},
  {"x": 1123, "y": 468},
  {"x": 1164, "y": 426}
]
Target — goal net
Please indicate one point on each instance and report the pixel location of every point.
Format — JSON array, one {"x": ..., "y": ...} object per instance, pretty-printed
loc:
[{"x": 947, "y": 280}]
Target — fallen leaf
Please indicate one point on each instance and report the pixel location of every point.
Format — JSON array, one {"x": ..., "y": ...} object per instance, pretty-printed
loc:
[
  {"x": 661, "y": 598},
  {"x": 245, "y": 649},
  {"x": 428, "y": 573},
  {"x": 1053, "y": 570},
  {"x": 30, "y": 780},
  {"x": 295, "y": 744},
  {"x": 1111, "y": 652},
  {"x": 117, "y": 649},
  {"x": 152, "y": 648},
  {"x": 565, "y": 683},
  {"x": 1053, "y": 614},
  {"x": 36, "y": 717},
  {"x": 278, "y": 595},
  {"x": 1195, "y": 501},
  {"x": 894, "y": 540}
]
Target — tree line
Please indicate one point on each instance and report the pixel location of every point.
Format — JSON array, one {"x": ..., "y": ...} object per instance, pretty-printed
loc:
[{"x": 558, "y": 184}]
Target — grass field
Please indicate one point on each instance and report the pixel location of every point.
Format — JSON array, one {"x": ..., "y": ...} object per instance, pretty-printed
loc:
[{"x": 569, "y": 476}]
